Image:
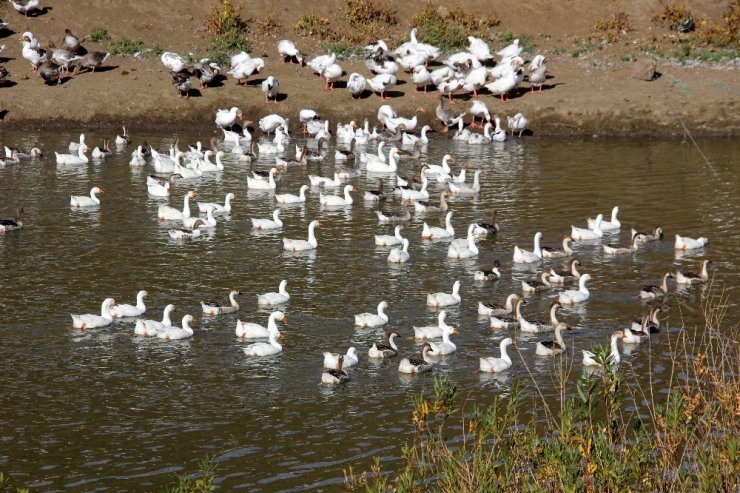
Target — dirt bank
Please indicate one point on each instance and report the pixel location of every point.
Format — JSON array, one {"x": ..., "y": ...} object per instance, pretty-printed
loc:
[{"x": 593, "y": 93}]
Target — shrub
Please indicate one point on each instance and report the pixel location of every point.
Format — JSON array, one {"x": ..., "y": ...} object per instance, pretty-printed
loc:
[
  {"x": 449, "y": 27},
  {"x": 228, "y": 30},
  {"x": 156, "y": 49},
  {"x": 99, "y": 34},
  {"x": 203, "y": 484},
  {"x": 725, "y": 36},
  {"x": 672, "y": 15},
  {"x": 613, "y": 26},
  {"x": 369, "y": 17},
  {"x": 311, "y": 24},
  {"x": 266, "y": 24},
  {"x": 126, "y": 47}
]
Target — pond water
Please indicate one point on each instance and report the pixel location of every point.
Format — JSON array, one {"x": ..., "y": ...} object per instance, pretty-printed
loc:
[{"x": 103, "y": 409}]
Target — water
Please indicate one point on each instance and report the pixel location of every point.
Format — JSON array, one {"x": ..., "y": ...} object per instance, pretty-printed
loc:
[{"x": 105, "y": 410}]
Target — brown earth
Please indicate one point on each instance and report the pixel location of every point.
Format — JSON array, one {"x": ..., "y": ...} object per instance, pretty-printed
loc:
[{"x": 590, "y": 94}]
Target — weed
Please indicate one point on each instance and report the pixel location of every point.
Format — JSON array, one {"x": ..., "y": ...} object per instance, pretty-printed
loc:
[
  {"x": 524, "y": 41},
  {"x": 343, "y": 50},
  {"x": 449, "y": 27},
  {"x": 672, "y": 16},
  {"x": 266, "y": 24},
  {"x": 311, "y": 24},
  {"x": 228, "y": 31},
  {"x": 628, "y": 58},
  {"x": 156, "y": 49},
  {"x": 612, "y": 27},
  {"x": 556, "y": 50},
  {"x": 585, "y": 47},
  {"x": 723, "y": 36},
  {"x": 203, "y": 484},
  {"x": 369, "y": 18},
  {"x": 126, "y": 47},
  {"x": 99, "y": 34}
]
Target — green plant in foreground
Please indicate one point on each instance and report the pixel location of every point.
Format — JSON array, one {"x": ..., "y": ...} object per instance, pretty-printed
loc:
[
  {"x": 202, "y": 484},
  {"x": 99, "y": 34},
  {"x": 126, "y": 47}
]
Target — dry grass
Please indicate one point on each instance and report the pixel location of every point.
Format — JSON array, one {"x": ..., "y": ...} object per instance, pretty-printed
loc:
[
  {"x": 449, "y": 26},
  {"x": 612, "y": 27}
]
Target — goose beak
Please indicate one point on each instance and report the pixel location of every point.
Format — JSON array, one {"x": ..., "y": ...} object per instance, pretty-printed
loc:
[
  {"x": 455, "y": 331},
  {"x": 285, "y": 320}
]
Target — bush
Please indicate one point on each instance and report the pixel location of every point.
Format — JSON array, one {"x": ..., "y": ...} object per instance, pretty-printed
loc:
[
  {"x": 99, "y": 34},
  {"x": 311, "y": 24},
  {"x": 613, "y": 26},
  {"x": 724, "y": 36},
  {"x": 228, "y": 31},
  {"x": 672, "y": 16},
  {"x": 370, "y": 18},
  {"x": 449, "y": 27},
  {"x": 126, "y": 47}
]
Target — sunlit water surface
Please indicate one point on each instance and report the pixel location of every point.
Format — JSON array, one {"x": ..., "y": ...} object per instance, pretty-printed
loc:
[{"x": 106, "y": 410}]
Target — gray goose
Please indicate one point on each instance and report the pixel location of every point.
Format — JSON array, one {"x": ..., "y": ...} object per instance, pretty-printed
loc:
[
  {"x": 12, "y": 224},
  {"x": 447, "y": 116},
  {"x": 91, "y": 60}
]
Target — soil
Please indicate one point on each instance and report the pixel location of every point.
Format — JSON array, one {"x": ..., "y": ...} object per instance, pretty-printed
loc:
[{"x": 593, "y": 94}]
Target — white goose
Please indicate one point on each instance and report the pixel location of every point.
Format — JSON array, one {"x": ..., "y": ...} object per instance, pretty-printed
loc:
[
  {"x": 459, "y": 250},
  {"x": 250, "y": 330},
  {"x": 74, "y": 146},
  {"x": 175, "y": 333},
  {"x": 580, "y": 234},
  {"x": 431, "y": 233},
  {"x": 173, "y": 62},
  {"x": 572, "y": 296},
  {"x": 410, "y": 195},
  {"x": 588, "y": 356},
  {"x": 260, "y": 184},
  {"x": 119, "y": 311},
  {"x": 150, "y": 328},
  {"x": 432, "y": 331},
  {"x": 225, "y": 118},
  {"x": 376, "y": 166},
  {"x": 441, "y": 300},
  {"x": 191, "y": 223},
  {"x": 165, "y": 212},
  {"x": 464, "y": 188},
  {"x": 331, "y": 360},
  {"x": 612, "y": 225},
  {"x": 411, "y": 139},
  {"x": 85, "y": 201},
  {"x": 217, "y": 208},
  {"x": 494, "y": 365},
  {"x": 400, "y": 255},
  {"x": 79, "y": 158},
  {"x": 372, "y": 319},
  {"x": 336, "y": 200},
  {"x": 684, "y": 243},
  {"x": 266, "y": 349},
  {"x": 446, "y": 346},
  {"x": 527, "y": 257},
  {"x": 390, "y": 240},
  {"x": 299, "y": 245},
  {"x": 440, "y": 169},
  {"x": 274, "y": 223},
  {"x": 289, "y": 198},
  {"x": 318, "y": 181},
  {"x": 92, "y": 321},
  {"x": 275, "y": 298}
]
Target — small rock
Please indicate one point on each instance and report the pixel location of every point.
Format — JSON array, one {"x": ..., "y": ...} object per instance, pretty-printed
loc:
[{"x": 644, "y": 69}]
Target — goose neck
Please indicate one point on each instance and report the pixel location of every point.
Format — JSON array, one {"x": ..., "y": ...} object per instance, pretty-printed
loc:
[
  {"x": 518, "y": 309},
  {"x": 312, "y": 233},
  {"x": 559, "y": 337},
  {"x": 615, "y": 350},
  {"x": 504, "y": 354}
]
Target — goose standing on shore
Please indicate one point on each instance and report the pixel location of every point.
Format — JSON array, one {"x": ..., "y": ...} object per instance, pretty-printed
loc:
[
  {"x": 447, "y": 116},
  {"x": 289, "y": 52},
  {"x": 356, "y": 84}
]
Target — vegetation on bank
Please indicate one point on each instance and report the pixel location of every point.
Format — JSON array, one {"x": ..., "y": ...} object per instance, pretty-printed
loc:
[{"x": 613, "y": 432}]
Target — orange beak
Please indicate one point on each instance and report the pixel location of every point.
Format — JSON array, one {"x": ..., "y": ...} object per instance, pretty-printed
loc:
[
  {"x": 241, "y": 118},
  {"x": 285, "y": 319}
]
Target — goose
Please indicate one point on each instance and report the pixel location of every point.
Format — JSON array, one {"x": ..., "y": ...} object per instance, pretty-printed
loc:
[
  {"x": 420, "y": 77},
  {"x": 271, "y": 89},
  {"x": 652, "y": 322},
  {"x": 617, "y": 250},
  {"x": 79, "y": 158},
  {"x": 288, "y": 51},
  {"x": 173, "y": 62},
  {"x": 381, "y": 83},
  {"x": 426, "y": 206},
  {"x": 379, "y": 157},
  {"x": 464, "y": 188},
  {"x": 684, "y": 243},
  {"x": 503, "y": 85},
  {"x": 152, "y": 327},
  {"x": 439, "y": 169},
  {"x": 356, "y": 84},
  {"x": 217, "y": 208},
  {"x": 317, "y": 181},
  {"x": 265, "y": 349},
  {"x": 166, "y": 212},
  {"x": 246, "y": 69},
  {"x": 221, "y": 307},
  {"x": 651, "y": 291},
  {"x": 479, "y": 49},
  {"x": 484, "y": 138},
  {"x": 474, "y": 80},
  {"x": 431, "y": 52},
  {"x": 85, "y": 201},
  {"x": 191, "y": 232},
  {"x": 554, "y": 252},
  {"x": 449, "y": 87},
  {"x": 123, "y": 140},
  {"x": 182, "y": 82},
  {"x": 206, "y": 71},
  {"x": 226, "y": 118},
  {"x": 205, "y": 165},
  {"x": 482, "y": 229},
  {"x": 441, "y": 300},
  {"x": 336, "y": 200},
  {"x": 336, "y": 375},
  {"x": 50, "y": 72},
  {"x": 561, "y": 277},
  {"x": 612, "y": 225},
  {"x": 409, "y": 124},
  {"x": 400, "y": 255},
  {"x": 576, "y": 296},
  {"x": 24, "y": 7},
  {"x": 537, "y": 285},
  {"x": 432, "y": 331},
  {"x": 506, "y": 321},
  {"x": 537, "y": 72},
  {"x": 318, "y": 63},
  {"x": 588, "y": 356},
  {"x": 692, "y": 277},
  {"x": 411, "y": 139},
  {"x": 331, "y": 360},
  {"x": 32, "y": 51},
  {"x": 636, "y": 336},
  {"x": 391, "y": 217},
  {"x": 489, "y": 275},
  {"x": 580, "y": 234},
  {"x": 499, "y": 134},
  {"x": 553, "y": 347},
  {"x": 432, "y": 233},
  {"x": 375, "y": 195},
  {"x": 120, "y": 311},
  {"x": 389, "y": 350},
  {"x": 299, "y": 245},
  {"x": 648, "y": 236},
  {"x": 413, "y": 365},
  {"x": 260, "y": 184},
  {"x": 448, "y": 117},
  {"x": 289, "y": 198},
  {"x": 92, "y": 321},
  {"x": 12, "y": 224},
  {"x": 446, "y": 346},
  {"x": 390, "y": 240},
  {"x": 517, "y": 123},
  {"x": 101, "y": 152},
  {"x": 493, "y": 310},
  {"x": 511, "y": 50},
  {"x": 459, "y": 250},
  {"x": 251, "y": 330},
  {"x": 274, "y": 223},
  {"x": 527, "y": 257},
  {"x": 273, "y": 298},
  {"x": 494, "y": 365},
  {"x": 536, "y": 326},
  {"x": 331, "y": 74},
  {"x": 479, "y": 110},
  {"x": 375, "y": 166},
  {"x": 270, "y": 148},
  {"x": 175, "y": 333},
  {"x": 368, "y": 320},
  {"x": 90, "y": 61},
  {"x": 342, "y": 155}
]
